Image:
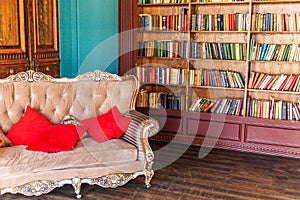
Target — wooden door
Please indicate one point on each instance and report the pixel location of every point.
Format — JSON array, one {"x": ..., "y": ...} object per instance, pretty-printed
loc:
[
  {"x": 29, "y": 37},
  {"x": 44, "y": 37},
  {"x": 13, "y": 49}
]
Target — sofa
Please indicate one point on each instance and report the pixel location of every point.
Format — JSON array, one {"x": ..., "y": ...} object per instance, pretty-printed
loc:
[{"x": 109, "y": 164}]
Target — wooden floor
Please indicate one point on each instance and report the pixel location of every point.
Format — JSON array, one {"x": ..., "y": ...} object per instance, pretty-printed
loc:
[{"x": 222, "y": 174}]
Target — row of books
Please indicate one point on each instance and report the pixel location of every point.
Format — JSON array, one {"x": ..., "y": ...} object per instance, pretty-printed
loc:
[
  {"x": 275, "y": 22},
  {"x": 178, "y": 22},
  {"x": 161, "y": 1},
  {"x": 223, "y": 51},
  {"x": 163, "y": 48},
  {"x": 216, "y": 78},
  {"x": 227, "y": 106},
  {"x": 274, "y": 52},
  {"x": 220, "y": 22},
  {"x": 161, "y": 75},
  {"x": 273, "y": 109},
  {"x": 161, "y": 100},
  {"x": 281, "y": 82}
]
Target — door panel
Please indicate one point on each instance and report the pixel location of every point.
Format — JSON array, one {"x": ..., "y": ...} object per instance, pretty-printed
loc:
[
  {"x": 45, "y": 36},
  {"x": 12, "y": 33}
]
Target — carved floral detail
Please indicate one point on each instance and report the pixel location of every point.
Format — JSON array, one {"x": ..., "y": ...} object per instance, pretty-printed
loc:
[
  {"x": 29, "y": 76},
  {"x": 98, "y": 76},
  {"x": 37, "y": 187},
  {"x": 110, "y": 181}
]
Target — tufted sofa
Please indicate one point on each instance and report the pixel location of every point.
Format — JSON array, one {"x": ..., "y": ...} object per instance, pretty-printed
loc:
[{"x": 109, "y": 164}]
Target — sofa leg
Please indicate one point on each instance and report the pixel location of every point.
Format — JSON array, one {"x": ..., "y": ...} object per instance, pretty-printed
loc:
[
  {"x": 148, "y": 177},
  {"x": 76, "y": 183}
]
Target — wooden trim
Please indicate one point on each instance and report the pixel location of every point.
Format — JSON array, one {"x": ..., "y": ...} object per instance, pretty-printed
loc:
[{"x": 127, "y": 35}]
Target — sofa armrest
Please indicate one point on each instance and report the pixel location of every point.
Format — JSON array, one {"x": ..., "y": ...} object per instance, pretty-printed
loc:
[{"x": 140, "y": 129}]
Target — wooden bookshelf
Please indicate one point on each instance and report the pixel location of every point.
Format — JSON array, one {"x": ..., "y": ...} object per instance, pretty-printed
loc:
[{"x": 225, "y": 43}]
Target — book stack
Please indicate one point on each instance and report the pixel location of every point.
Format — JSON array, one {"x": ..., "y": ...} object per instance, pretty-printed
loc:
[
  {"x": 163, "y": 48},
  {"x": 216, "y": 78},
  {"x": 161, "y": 75},
  {"x": 222, "y": 51},
  {"x": 274, "y": 52},
  {"x": 275, "y": 22},
  {"x": 227, "y": 106},
  {"x": 220, "y": 22},
  {"x": 281, "y": 82},
  {"x": 273, "y": 109},
  {"x": 164, "y": 22},
  {"x": 161, "y": 100}
]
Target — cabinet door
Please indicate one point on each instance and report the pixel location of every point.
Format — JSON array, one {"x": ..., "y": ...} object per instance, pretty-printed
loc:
[
  {"x": 45, "y": 37},
  {"x": 13, "y": 53}
]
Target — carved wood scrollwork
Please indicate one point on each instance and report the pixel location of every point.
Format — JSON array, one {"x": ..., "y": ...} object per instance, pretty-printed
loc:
[
  {"x": 37, "y": 187},
  {"x": 98, "y": 76},
  {"x": 110, "y": 181},
  {"x": 29, "y": 76}
]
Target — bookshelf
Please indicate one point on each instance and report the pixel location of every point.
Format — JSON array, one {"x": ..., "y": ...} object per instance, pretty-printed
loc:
[{"x": 222, "y": 70}]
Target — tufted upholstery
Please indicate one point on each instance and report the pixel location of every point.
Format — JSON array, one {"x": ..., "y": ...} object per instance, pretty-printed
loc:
[
  {"x": 56, "y": 98},
  {"x": 108, "y": 164}
]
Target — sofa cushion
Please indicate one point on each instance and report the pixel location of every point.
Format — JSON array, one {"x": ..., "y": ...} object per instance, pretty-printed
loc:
[
  {"x": 4, "y": 141},
  {"x": 107, "y": 126},
  {"x": 16, "y": 160},
  {"x": 56, "y": 138},
  {"x": 29, "y": 127}
]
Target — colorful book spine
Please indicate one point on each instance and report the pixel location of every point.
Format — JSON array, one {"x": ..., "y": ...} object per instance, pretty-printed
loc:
[
  {"x": 274, "y": 52},
  {"x": 160, "y": 100},
  {"x": 216, "y": 78},
  {"x": 273, "y": 109},
  {"x": 226, "y": 106},
  {"x": 280, "y": 82},
  {"x": 161, "y": 75},
  {"x": 222, "y": 51},
  {"x": 220, "y": 22},
  {"x": 163, "y": 48}
]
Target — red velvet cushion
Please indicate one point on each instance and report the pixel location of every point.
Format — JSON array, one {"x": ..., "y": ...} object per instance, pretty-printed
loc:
[
  {"x": 62, "y": 137},
  {"x": 107, "y": 126},
  {"x": 29, "y": 127}
]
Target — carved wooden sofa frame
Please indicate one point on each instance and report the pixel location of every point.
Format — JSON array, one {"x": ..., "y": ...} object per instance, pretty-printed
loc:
[{"x": 140, "y": 129}]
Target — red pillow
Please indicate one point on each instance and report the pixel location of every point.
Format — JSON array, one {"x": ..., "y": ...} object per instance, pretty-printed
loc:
[
  {"x": 62, "y": 137},
  {"x": 107, "y": 126},
  {"x": 29, "y": 127}
]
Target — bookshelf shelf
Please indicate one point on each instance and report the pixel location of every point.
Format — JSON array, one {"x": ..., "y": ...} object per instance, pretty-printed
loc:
[
  {"x": 224, "y": 36},
  {"x": 162, "y": 4},
  {"x": 275, "y": 2},
  {"x": 275, "y": 32},
  {"x": 217, "y": 60},
  {"x": 274, "y": 91},
  {"x": 219, "y": 3},
  {"x": 217, "y": 88},
  {"x": 210, "y": 32},
  {"x": 162, "y": 32}
]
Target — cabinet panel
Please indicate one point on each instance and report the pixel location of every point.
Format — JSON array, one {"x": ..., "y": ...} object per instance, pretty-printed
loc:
[
  {"x": 202, "y": 128},
  {"x": 169, "y": 124},
  {"x": 273, "y": 136}
]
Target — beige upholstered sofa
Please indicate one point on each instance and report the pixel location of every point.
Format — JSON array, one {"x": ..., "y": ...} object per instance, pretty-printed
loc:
[{"x": 109, "y": 164}]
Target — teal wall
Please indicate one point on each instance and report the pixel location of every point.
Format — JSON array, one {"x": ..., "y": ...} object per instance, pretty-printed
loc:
[{"x": 88, "y": 36}]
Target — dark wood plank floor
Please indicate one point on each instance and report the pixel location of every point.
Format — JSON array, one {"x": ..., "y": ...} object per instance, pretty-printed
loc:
[{"x": 222, "y": 174}]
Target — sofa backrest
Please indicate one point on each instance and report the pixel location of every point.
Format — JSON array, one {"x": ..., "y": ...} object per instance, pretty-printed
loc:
[{"x": 85, "y": 96}]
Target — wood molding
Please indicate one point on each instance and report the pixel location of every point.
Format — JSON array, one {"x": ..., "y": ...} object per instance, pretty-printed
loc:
[{"x": 127, "y": 35}]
